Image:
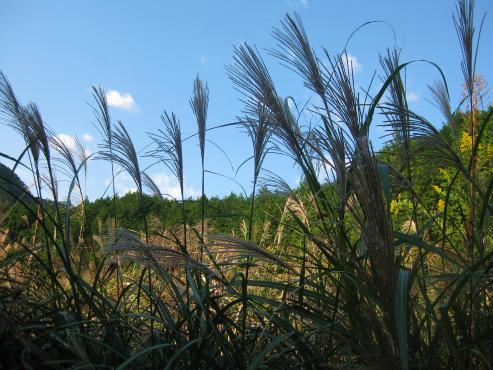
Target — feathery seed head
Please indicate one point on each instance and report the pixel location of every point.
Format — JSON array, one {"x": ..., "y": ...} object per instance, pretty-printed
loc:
[{"x": 199, "y": 103}]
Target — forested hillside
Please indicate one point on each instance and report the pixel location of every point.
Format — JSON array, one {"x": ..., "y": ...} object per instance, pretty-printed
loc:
[{"x": 11, "y": 186}]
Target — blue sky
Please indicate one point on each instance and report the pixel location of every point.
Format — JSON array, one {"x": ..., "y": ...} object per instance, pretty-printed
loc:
[{"x": 147, "y": 54}]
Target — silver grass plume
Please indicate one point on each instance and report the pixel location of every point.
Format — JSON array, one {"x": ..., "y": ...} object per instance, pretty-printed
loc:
[
  {"x": 331, "y": 147},
  {"x": 277, "y": 184},
  {"x": 39, "y": 129},
  {"x": 102, "y": 114},
  {"x": 71, "y": 158},
  {"x": 49, "y": 182},
  {"x": 169, "y": 145},
  {"x": 199, "y": 103},
  {"x": 442, "y": 102},
  {"x": 464, "y": 25},
  {"x": 26, "y": 120},
  {"x": 243, "y": 249},
  {"x": 260, "y": 131},
  {"x": 288, "y": 133},
  {"x": 343, "y": 99},
  {"x": 123, "y": 153},
  {"x": 297, "y": 54},
  {"x": 151, "y": 185},
  {"x": 251, "y": 77},
  {"x": 79, "y": 151},
  {"x": 397, "y": 97},
  {"x": 13, "y": 115},
  {"x": 440, "y": 95},
  {"x": 103, "y": 118},
  {"x": 66, "y": 154},
  {"x": 131, "y": 249},
  {"x": 334, "y": 87},
  {"x": 430, "y": 148},
  {"x": 10, "y": 107}
]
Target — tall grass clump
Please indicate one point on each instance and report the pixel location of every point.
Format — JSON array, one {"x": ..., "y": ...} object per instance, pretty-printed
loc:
[{"x": 386, "y": 263}]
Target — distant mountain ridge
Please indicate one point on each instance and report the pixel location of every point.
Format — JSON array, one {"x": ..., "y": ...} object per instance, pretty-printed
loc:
[{"x": 11, "y": 186}]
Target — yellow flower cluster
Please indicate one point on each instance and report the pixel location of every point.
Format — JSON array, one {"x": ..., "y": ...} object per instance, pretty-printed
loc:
[
  {"x": 443, "y": 172},
  {"x": 394, "y": 208},
  {"x": 465, "y": 142},
  {"x": 437, "y": 188},
  {"x": 441, "y": 205},
  {"x": 394, "y": 205}
]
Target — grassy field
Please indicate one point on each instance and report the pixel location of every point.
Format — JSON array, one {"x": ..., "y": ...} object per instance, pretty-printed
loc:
[{"x": 388, "y": 265}]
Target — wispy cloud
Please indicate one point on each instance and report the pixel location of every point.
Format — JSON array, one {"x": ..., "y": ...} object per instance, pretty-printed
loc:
[
  {"x": 412, "y": 97},
  {"x": 69, "y": 141},
  {"x": 325, "y": 169},
  {"x": 170, "y": 187},
  {"x": 87, "y": 137},
  {"x": 203, "y": 59},
  {"x": 292, "y": 55},
  {"x": 125, "y": 101},
  {"x": 352, "y": 61},
  {"x": 123, "y": 183},
  {"x": 297, "y": 3}
]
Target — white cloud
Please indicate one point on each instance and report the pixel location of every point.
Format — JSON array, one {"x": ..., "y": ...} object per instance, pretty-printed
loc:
[
  {"x": 88, "y": 137},
  {"x": 203, "y": 60},
  {"x": 297, "y": 3},
  {"x": 324, "y": 169},
  {"x": 115, "y": 99},
  {"x": 123, "y": 189},
  {"x": 123, "y": 183},
  {"x": 291, "y": 104},
  {"x": 170, "y": 187},
  {"x": 291, "y": 53},
  {"x": 412, "y": 97},
  {"x": 69, "y": 141},
  {"x": 352, "y": 61}
]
